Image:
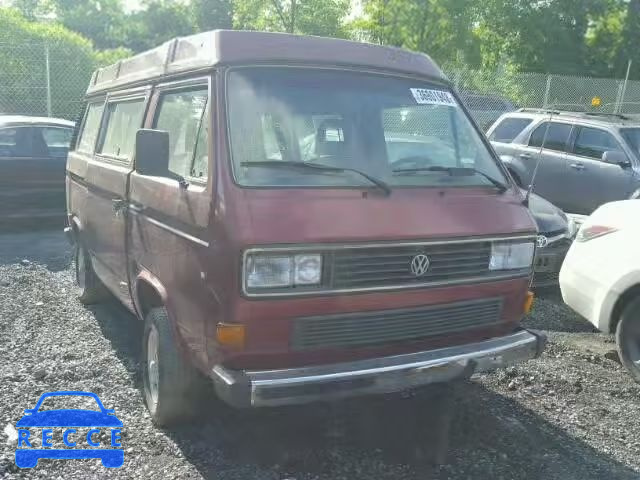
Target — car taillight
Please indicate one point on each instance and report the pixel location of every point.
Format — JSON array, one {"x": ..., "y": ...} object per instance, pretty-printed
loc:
[{"x": 590, "y": 232}]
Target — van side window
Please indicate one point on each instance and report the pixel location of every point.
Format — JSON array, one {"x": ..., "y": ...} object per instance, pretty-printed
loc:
[
  {"x": 181, "y": 114},
  {"x": 124, "y": 118},
  {"x": 89, "y": 134},
  {"x": 557, "y": 136}
]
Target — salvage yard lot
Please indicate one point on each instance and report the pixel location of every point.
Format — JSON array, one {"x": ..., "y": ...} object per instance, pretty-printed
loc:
[{"x": 572, "y": 414}]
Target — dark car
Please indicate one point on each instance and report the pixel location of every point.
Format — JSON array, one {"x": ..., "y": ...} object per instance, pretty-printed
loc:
[
  {"x": 33, "y": 154},
  {"x": 486, "y": 109},
  {"x": 555, "y": 235},
  {"x": 65, "y": 418}
]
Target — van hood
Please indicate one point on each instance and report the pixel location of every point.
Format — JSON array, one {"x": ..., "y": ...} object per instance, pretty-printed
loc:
[{"x": 321, "y": 215}]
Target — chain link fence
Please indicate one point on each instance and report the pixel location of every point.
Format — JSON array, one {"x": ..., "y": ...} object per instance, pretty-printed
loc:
[
  {"x": 42, "y": 79},
  {"x": 489, "y": 94},
  {"x": 47, "y": 79}
]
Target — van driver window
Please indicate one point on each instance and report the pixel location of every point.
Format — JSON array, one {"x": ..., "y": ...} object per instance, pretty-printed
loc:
[
  {"x": 181, "y": 114},
  {"x": 123, "y": 121}
]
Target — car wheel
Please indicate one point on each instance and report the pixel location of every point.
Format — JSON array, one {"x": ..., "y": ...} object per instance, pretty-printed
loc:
[
  {"x": 91, "y": 288},
  {"x": 172, "y": 387},
  {"x": 628, "y": 338}
]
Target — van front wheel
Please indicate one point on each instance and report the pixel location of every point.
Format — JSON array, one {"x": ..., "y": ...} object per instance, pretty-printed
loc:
[
  {"x": 172, "y": 387},
  {"x": 628, "y": 338}
]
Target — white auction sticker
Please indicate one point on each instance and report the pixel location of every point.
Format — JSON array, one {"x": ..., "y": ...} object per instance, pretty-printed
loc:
[{"x": 433, "y": 97}]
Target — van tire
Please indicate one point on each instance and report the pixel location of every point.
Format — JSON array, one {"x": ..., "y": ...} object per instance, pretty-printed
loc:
[
  {"x": 178, "y": 386},
  {"x": 91, "y": 288},
  {"x": 628, "y": 338}
]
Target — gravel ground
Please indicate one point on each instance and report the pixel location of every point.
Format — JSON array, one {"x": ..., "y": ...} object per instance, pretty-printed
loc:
[{"x": 573, "y": 414}]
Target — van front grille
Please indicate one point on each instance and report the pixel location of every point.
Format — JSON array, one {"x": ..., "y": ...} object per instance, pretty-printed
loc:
[
  {"x": 390, "y": 266},
  {"x": 390, "y": 326}
]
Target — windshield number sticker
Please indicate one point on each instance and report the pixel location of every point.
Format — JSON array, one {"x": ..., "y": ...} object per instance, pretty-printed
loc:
[{"x": 427, "y": 96}]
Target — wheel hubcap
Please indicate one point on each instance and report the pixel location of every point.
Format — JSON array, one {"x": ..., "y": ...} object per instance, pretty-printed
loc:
[
  {"x": 153, "y": 375},
  {"x": 80, "y": 268}
]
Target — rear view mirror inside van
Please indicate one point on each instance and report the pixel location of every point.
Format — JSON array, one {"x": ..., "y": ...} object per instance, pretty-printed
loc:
[{"x": 152, "y": 152}]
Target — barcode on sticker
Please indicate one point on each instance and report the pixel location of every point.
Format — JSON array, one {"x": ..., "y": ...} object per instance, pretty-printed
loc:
[{"x": 433, "y": 97}]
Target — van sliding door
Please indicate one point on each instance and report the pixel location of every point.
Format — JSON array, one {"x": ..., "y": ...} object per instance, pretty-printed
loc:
[{"x": 107, "y": 179}]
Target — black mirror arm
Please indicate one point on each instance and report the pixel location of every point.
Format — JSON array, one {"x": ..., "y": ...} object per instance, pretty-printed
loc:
[{"x": 178, "y": 178}]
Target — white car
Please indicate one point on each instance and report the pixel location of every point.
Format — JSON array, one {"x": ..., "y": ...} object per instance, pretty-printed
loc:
[{"x": 600, "y": 276}]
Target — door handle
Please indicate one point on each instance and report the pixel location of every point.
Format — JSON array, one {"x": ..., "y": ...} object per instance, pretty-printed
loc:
[
  {"x": 525, "y": 156},
  {"x": 118, "y": 204},
  {"x": 577, "y": 166}
]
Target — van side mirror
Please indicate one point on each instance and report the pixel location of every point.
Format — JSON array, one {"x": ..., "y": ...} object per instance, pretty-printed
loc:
[
  {"x": 152, "y": 152},
  {"x": 616, "y": 157}
]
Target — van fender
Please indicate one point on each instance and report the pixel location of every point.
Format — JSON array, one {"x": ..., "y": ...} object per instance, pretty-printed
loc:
[{"x": 148, "y": 292}]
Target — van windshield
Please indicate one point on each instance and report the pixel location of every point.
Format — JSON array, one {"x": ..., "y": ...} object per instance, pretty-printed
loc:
[{"x": 400, "y": 131}]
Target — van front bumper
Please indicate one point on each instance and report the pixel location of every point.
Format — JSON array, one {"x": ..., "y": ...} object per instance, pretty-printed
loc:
[{"x": 268, "y": 388}]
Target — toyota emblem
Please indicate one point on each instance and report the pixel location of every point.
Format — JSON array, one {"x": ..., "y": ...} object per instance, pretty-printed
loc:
[
  {"x": 541, "y": 241},
  {"x": 419, "y": 265}
]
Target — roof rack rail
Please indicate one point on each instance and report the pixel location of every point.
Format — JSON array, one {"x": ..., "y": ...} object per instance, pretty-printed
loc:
[
  {"x": 538, "y": 110},
  {"x": 558, "y": 111},
  {"x": 605, "y": 114}
]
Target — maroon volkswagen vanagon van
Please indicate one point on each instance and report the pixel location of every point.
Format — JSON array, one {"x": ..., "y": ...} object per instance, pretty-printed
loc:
[{"x": 297, "y": 219}]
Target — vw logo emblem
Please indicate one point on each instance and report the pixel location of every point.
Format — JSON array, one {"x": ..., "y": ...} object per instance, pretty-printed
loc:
[
  {"x": 419, "y": 265},
  {"x": 541, "y": 241}
]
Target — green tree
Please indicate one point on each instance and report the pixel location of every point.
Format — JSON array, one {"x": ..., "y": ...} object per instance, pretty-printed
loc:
[
  {"x": 24, "y": 46},
  {"x": 102, "y": 21},
  {"x": 31, "y": 9},
  {"x": 545, "y": 36},
  {"x": 159, "y": 21},
  {"x": 441, "y": 28},
  {"x": 311, "y": 17},
  {"x": 212, "y": 14}
]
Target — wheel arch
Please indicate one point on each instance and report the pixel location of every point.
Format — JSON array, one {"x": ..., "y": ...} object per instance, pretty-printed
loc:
[
  {"x": 148, "y": 293},
  {"x": 623, "y": 300}
]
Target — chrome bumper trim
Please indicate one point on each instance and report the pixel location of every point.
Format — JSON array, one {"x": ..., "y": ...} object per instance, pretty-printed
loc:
[{"x": 373, "y": 376}]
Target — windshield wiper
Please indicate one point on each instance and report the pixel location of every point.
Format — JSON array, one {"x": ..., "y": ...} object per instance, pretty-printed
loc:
[
  {"x": 453, "y": 171},
  {"x": 318, "y": 166}
]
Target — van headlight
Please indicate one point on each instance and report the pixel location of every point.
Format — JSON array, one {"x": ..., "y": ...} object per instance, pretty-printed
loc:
[
  {"x": 269, "y": 270},
  {"x": 511, "y": 256}
]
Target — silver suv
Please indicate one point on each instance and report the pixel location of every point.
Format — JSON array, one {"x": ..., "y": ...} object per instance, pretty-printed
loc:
[{"x": 588, "y": 158}]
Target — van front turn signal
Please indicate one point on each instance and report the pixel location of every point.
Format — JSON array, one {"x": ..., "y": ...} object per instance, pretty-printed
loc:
[
  {"x": 230, "y": 335},
  {"x": 528, "y": 302}
]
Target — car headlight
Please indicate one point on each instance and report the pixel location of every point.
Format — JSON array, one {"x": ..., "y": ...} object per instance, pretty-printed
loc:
[
  {"x": 511, "y": 256},
  {"x": 594, "y": 231},
  {"x": 268, "y": 270}
]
